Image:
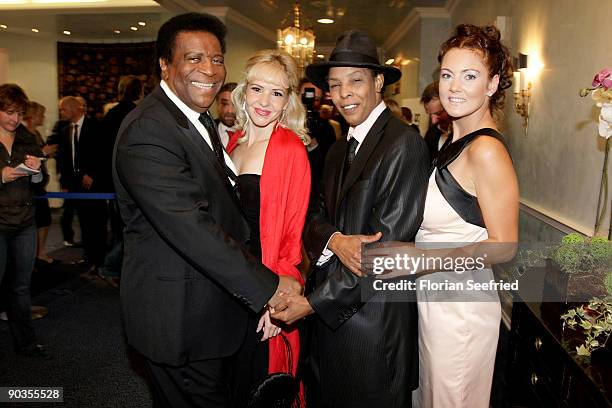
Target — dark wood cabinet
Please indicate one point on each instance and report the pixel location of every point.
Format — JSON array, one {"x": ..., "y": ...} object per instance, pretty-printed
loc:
[{"x": 545, "y": 370}]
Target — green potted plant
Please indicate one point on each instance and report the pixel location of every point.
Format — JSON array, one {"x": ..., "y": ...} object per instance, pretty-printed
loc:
[
  {"x": 594, "y": 320},
  {"x": 577, "y": 267}
]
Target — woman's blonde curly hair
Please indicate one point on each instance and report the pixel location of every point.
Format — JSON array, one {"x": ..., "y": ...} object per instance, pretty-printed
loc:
[{"x": 272, "y": 66}]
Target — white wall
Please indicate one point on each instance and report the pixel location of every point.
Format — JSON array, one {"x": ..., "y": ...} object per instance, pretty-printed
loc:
[
  {"x": 32, "y": 64},
  {"x": 562, "y": 153},
  {"x": 408, "y": 47},
  {"x": 434, "y": 31},
  {"x": 559, "y": 160},
  {"x": 240, "y": 45},
  {"x": 3, "y": 65}
]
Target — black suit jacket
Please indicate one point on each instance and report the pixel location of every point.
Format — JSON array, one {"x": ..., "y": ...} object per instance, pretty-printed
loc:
[
  {"x": 367, "y": 347},
  {"x": 90, "y": 157},
  {"x": 110, "y": 127},
  {"x": 187, "y": 282}
]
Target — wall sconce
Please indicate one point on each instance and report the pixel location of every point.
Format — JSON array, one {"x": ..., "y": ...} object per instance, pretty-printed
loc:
[{"x": 522, "y": 89}]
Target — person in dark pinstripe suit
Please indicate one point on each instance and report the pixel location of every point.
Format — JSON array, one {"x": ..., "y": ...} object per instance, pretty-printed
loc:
[{"x": 364, "y": 350}]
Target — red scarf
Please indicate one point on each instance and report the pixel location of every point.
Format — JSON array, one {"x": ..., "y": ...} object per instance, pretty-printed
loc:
[{"x": 285, "y": 190}]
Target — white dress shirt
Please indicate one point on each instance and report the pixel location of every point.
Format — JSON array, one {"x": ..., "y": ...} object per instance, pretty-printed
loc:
[
  {"x": 359, "y": 132},
  {"x": 194, "y": 118},
  {"x": 223, "y": 135},
  {"x": 80, "y": 124},
  {"x": 74, "y": 138}
]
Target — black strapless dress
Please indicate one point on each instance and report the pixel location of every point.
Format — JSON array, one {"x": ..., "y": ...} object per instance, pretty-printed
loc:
[
  {"x": 251, "y": 364},
  {"x": 248, "y": 185}
]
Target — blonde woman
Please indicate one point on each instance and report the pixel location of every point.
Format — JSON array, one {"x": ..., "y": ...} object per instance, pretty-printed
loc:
[
  {"x": 33, "y": 118},
  {"x": 269, "y": 152}
]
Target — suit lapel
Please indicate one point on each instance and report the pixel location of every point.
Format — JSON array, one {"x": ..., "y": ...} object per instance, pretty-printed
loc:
[
  {"x": 196, "y": 138},
  {"x": 363, "y": 154},
  {"x": 335, "y": 176}
]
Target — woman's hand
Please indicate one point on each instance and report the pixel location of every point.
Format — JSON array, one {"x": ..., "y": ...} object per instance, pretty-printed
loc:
[
  {"x": 269, "y": 329},
  {"x": 32, "y": 162},
  {"x": 10, "y": 174}
]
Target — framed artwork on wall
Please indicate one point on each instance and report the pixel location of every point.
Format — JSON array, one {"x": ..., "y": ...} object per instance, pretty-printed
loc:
[{"x": 93, "y": 70}]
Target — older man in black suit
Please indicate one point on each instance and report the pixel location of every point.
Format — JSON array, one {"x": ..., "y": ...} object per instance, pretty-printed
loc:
[
  {"x": 81, "y": 169},
  {"x": 375, "y": 182},
  {"x": 188, "y": 282}
]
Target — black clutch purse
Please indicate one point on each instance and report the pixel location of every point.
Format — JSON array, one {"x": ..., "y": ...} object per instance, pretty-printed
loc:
[{"x": 277, "y": 390}]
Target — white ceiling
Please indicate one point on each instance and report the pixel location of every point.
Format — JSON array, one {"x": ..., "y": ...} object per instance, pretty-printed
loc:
[
  {"x": 71, "y": 4},
  {"x": 379, "y": 18},
  {"x": 91, "y": 20},
  {"x": 87, "y": 20}
]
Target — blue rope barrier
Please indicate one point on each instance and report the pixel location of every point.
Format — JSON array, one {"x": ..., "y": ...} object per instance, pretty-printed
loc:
[{"x": 81, "y": 196}]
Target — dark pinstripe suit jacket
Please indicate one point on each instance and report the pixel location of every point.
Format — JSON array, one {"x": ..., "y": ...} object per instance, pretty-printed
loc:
[{"x": 367, "y": 348}]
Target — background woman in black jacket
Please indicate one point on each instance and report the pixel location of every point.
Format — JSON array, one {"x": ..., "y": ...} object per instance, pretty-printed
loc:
[{"x": 17, "y": 228}]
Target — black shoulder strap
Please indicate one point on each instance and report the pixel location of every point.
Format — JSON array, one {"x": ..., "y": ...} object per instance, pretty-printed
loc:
[{"x": 465, "y": 204}]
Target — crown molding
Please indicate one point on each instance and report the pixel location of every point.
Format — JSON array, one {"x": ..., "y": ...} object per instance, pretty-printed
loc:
[
  {"x": 180, "y": 5},
  {"x": 228, "y": 14},
  {"x": 90, "y": 10},
  {"x": 415, "y": 15},
  {"x": 403, "y": 27},
  {"x": 432, "y": 12},
  {"x": 451, "y": 5},
  {"x": 252, "y": 25},
  {"x": 225, "y": 13}
]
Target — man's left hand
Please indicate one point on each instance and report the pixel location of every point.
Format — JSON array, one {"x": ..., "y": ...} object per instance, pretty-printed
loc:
[
  {"x": 87, "y": 182},
  {"x": 297, "y": 308}
]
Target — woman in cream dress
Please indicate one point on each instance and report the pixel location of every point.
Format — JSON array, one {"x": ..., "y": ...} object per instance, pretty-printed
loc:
[{"x": 472, "y": 198}]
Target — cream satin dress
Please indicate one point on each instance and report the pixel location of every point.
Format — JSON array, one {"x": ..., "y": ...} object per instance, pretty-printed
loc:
[{"x": 457, "y": 339}]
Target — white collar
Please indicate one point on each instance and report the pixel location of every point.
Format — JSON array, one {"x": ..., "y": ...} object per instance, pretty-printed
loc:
[
  {"x": 222, "y": 128},
  {"x": 223, "y": 135},
  {"x": 360, "y": 131},
  {"x": 193, "y": 116},
  {"x": 80, "y": 122}
]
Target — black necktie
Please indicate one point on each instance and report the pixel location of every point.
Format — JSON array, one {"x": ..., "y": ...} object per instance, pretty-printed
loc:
[
  {"x": 75, "y": 147},
  {"x": 208, "y": 123},
  {"x": 351, "y": 148}
]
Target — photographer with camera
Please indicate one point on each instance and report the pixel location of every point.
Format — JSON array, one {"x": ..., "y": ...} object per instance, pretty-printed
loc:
[{"x": 321, "y": 133}]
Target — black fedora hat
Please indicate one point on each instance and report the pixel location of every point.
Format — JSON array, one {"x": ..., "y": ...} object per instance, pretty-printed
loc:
[{"x": 354, "y": 48}]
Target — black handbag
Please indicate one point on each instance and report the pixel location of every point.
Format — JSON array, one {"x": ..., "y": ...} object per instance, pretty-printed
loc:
[{"x": 277, "y": 390}]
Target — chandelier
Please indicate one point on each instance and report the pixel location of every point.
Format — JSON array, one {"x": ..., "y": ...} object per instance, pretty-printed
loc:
[{"x": 297, "y": 40}]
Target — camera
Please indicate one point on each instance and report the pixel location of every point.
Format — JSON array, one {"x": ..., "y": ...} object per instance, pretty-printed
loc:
[
  {"x": 308, "y": 99},
  {"x": 312, "y": 116}
]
